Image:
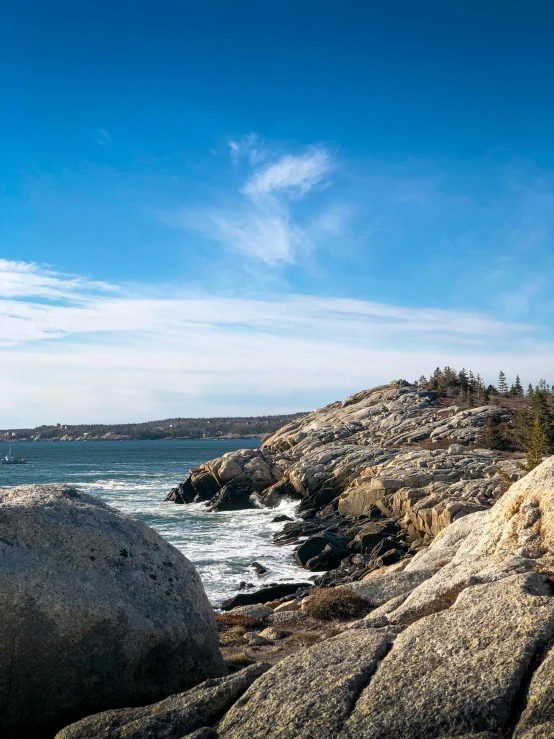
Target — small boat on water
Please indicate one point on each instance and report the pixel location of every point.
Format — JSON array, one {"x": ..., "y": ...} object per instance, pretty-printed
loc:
[{"x": 10, "y": 459}]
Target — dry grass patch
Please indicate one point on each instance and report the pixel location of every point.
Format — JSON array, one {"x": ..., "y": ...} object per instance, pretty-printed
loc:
[
  {"x": 239, "y": 658},
  {"x": 334, "y": 604},
  {"x": 303, "y": 638},
  {"x": 238, "y": 619}
]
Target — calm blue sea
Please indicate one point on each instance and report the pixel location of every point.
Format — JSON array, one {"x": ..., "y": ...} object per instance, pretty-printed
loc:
[{"x": 135, "y": 476}]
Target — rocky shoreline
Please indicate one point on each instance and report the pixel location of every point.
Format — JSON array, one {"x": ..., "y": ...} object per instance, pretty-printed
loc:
[
  {"x": 377, "y": 476},
  {"x": 427, "y": 611}
]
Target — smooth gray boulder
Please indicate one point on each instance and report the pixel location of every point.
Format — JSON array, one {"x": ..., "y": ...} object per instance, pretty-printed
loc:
[
  {"x": 173, "y": 717},
  {"x": 97, "y": 611},
  {"x": 310, "y": 693},
  {"x": 458, "y": 671}
]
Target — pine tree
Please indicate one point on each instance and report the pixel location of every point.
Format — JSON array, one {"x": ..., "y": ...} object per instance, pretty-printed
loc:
[
  {"x": 518, "y": 387},
  {"x": 471, "y": 382},
  {"x": 502, "y": 384},
  {"x": 530, "y": 391},
  {"x": 463, "y": 380},
  {"x": 436, "y": 380},
  {"x": 522, "y": 425},
  {"x": 537, "y": 444},
  {"x": 450, "y": 378},
  {"x": 490, "y": 436},
  {"x": 540, "y": 406}
]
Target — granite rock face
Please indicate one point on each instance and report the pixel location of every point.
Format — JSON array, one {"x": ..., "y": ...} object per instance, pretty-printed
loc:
[
  {"x": 367, "y": 451},
  {"x": 96, "y": 611},
  {"x": 458, "y": 671},
  {"x": 309, "y": 694}
]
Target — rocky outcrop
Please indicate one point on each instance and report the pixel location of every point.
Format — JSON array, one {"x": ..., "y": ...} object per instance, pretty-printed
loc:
[
  {"x": 457, "y": 644},
  {"x": 249, "y": 466},
  {"x": 395, "y": 447},
  {"x": 96, "y": 611}
]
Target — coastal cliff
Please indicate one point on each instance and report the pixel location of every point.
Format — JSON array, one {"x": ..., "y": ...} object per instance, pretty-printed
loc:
[{"x": 377, "y": 475}]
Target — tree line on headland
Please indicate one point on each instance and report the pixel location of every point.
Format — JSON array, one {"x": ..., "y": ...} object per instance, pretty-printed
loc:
[
  {"x": 531, "y": 427},
  {"x": 170, "y": 428}
]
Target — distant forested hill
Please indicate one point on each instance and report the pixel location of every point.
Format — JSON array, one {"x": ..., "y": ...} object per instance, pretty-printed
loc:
[{"x": 170, "y": 428}]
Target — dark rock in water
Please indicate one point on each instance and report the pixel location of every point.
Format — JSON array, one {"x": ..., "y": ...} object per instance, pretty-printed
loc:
[
  {"x": 203, "y": 483},
  {"x": 243, "y": 585},
  {"x": 234, "y": 496},
  {"x": 321, "y": 551},
  {"x": 292, "y": 531},
  {"x": 275, "y": 494},
  {"x": 390, "y": 557},
  {"x": 283, "y": 517},
  {"x": 264, "y": 595},
  {"x": 183, "y": 493},
  {"x": 325, "y": 560},
  {"x": 199, "y": 486},
  {"x": 97, "y": 611},
  {"x": 372, "y": 534},
  {"x": 260, "y": 569},
  {"x": 173, "y": 717}
]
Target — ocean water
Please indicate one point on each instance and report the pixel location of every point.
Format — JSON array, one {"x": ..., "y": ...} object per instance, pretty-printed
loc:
[{"x": 135, "y": 476}]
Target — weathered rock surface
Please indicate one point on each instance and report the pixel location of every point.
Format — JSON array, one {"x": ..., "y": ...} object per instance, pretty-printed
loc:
[
  {"x": 173, "y": 717},
  {"x": 537, "y": 719},
  {"x": 378, "y": 590},
  {"x": 96, "y": 611},
  {"x": 522, "y": 522},
  {"x": 309, "y": 694},
  {"x": 458, "y": 671}
]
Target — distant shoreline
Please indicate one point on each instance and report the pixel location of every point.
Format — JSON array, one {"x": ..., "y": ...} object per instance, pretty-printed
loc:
[
  {"x": 169, "y": 438},
  {"x": 238, "y": 427}
]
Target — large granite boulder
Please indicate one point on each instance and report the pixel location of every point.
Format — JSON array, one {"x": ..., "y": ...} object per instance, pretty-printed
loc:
[{"x": 97, "y": 611}]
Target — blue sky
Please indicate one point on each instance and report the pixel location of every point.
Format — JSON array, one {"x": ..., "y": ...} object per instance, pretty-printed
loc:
[{"x": 222, "y": 208}]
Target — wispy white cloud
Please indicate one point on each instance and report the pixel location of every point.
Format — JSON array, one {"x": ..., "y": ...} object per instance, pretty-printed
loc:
[
  {"x": 250, "y": 147},
  {"x": 258, "y": 220},
  {"x": 103, "y": 138},
  {"x": 98, "y": 355},
  {"x": 30, "y": 280},
  {"x": 293, "y": 175}
]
